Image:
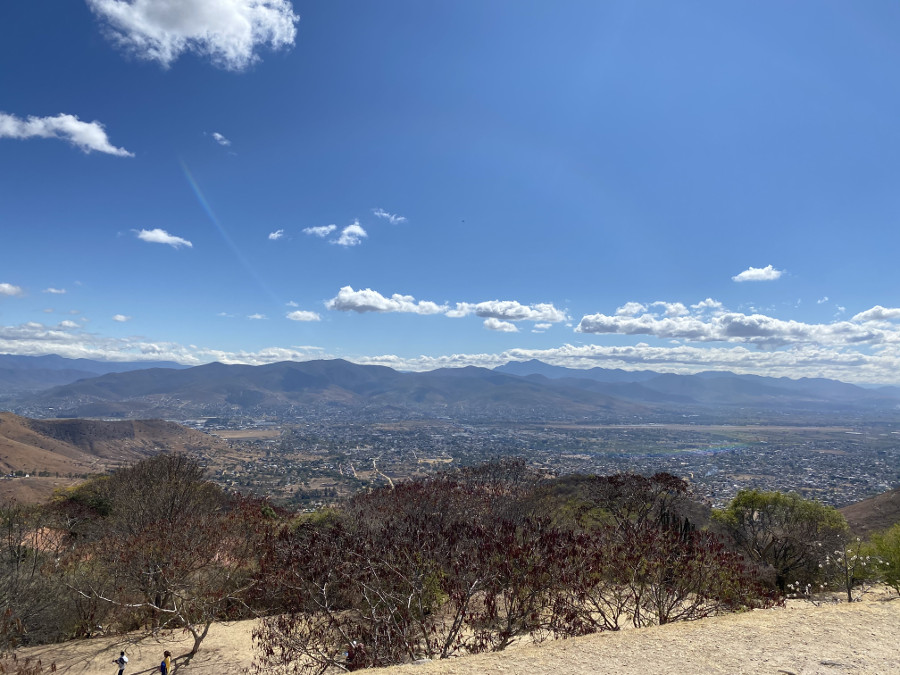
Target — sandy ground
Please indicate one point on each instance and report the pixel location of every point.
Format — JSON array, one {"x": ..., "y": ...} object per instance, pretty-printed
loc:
[{"x": 863, "y": 637}]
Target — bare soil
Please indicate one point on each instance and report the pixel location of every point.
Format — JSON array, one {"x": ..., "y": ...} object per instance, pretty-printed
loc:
[{"x": 804, "y": 639}]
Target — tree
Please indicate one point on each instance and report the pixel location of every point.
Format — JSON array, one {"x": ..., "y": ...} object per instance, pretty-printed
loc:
[
  {"x": 455, "y": 564},
  {"x": 790, "y": 534},
  {"x": 29, "y": 586},
  {"x": 171, "y": 549},
  {"x": 886, "y": 548}
]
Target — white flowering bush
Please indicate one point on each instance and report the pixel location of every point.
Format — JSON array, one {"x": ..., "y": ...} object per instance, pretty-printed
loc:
[{"x": 850, "y": 567}]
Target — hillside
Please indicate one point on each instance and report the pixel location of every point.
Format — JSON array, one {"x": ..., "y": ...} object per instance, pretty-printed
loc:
[
  {"x": 833, "y": 639},
  {"x": 67, "y": 449},
  {"x": 874, "y": 514}
]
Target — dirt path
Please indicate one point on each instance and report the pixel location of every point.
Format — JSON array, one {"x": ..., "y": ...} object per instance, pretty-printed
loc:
[{"x": 862, "y": 637}]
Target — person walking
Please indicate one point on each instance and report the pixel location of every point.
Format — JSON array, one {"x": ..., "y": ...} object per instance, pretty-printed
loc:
[{"x": 121, "y": 661}]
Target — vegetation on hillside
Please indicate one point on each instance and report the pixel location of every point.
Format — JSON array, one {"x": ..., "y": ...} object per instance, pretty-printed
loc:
[{"x": 461, "y": 562}]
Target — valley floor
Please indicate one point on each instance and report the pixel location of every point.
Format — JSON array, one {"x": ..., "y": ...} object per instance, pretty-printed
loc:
[{"x": 863, "y": 637}]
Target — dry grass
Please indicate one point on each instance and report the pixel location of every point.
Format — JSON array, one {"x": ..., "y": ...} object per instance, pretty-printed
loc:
[{"x": 802, "y": 638}]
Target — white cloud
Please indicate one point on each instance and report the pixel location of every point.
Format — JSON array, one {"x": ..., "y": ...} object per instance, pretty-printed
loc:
[
  {"x": 227, "y": 32},
  {"x": 542, "y": 326},
  {"x": 390, "y": 217},
  {"x": 88, "y": 136},
  {"x": 509, "y": 310},
  {"x": 320, "y": 231},
  {"x": 276, "y": 235},
  {"x": 492, "y": 323},
  {"x": 220, "y": 139},
  {"x": 631, "y": 309},
  {"x": 158, "y": 236},
  {"x": 55, "y": 291},
  {"x": 351, "y": 235},
  {"x": 671, "y": 308},
  {"x": 303, "y": 315},
  {"x": 822, "y": 300},
  {"x": 256, "y": 317},
  {"x": 291, "y": 303},
  {"x": 68, "y": 325},
  {"x": 367, "y": 300},
  {"x": 767, "y": 273},
  {"x": 879, "y": 314},
  {"x": 9, "y": 289},
  {"x": 708, "y": 304},
  {"x": 121, "y": 318},
  {"x": 756, "y": 329}
]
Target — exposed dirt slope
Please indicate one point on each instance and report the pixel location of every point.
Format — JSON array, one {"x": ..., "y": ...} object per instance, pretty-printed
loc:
[
  {"x": 78, "y": 447},
  {"x": 871, "y": 515},
  {"x": 858, "y": 638}
]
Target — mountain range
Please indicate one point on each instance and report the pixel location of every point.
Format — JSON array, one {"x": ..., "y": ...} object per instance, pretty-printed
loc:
[
  {"x": 22, "y": 374},
  {"x": 515, "y": 391}
]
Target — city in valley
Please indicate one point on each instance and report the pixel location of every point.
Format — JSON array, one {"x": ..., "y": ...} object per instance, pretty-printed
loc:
[{"x": 309, "y": 464}]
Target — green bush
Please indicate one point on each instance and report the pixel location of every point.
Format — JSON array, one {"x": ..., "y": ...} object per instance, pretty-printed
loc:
[{"x": 886, "y": 548}]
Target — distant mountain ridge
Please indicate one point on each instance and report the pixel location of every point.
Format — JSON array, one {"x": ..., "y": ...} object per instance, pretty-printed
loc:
[
  {"x": 334, "y": 385},
  {"x": 20, "y": 374},
  {"x": 533, "y": 390},
  {"x": 711, "y": 387}
]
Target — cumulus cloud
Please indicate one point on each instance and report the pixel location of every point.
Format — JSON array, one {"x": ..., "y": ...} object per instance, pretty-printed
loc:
[
  {"x": 367, "y": 300},
  {"x": 121, "y": 318},
  {"x": 671, "y": 308},
  {"x": 509, "y": 310},
  {"x": 9, "y": 289},
  {"x": 256, "y": 317},
  {"x": 303, "y": 315},
  {"x": 878, "y": 313},
  {"x": 320, "y": 231},
  {"x": 227, "y": 32},
  {"x": 68, "y": 325},
  {"x": 390, "y": 217},
  {"x": 822, "y": 300},
  {"x": 492, "y": 323},
  {"x": 708, "y": 305},
  {"x": 631, "y": 309},
  {"x": 276, "y": 235},
  {"x": 87, "y": 136},
  {"x": 767, "y": 273},
  {"x": 159, "y": 236},
  {"x": 220, "y": 139},
  {"x": 55, "y": 291},
  {"x": 351, "y": 235},
  {"x": 542, "y": 326},
  {"x": 756, "y": 329}
]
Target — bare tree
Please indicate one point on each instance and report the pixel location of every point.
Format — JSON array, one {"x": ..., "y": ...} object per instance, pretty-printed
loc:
[{"x": 174, "y": 550}]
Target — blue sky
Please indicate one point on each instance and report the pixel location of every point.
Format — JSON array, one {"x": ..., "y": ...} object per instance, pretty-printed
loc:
[{"x": 677, "y": 186}]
